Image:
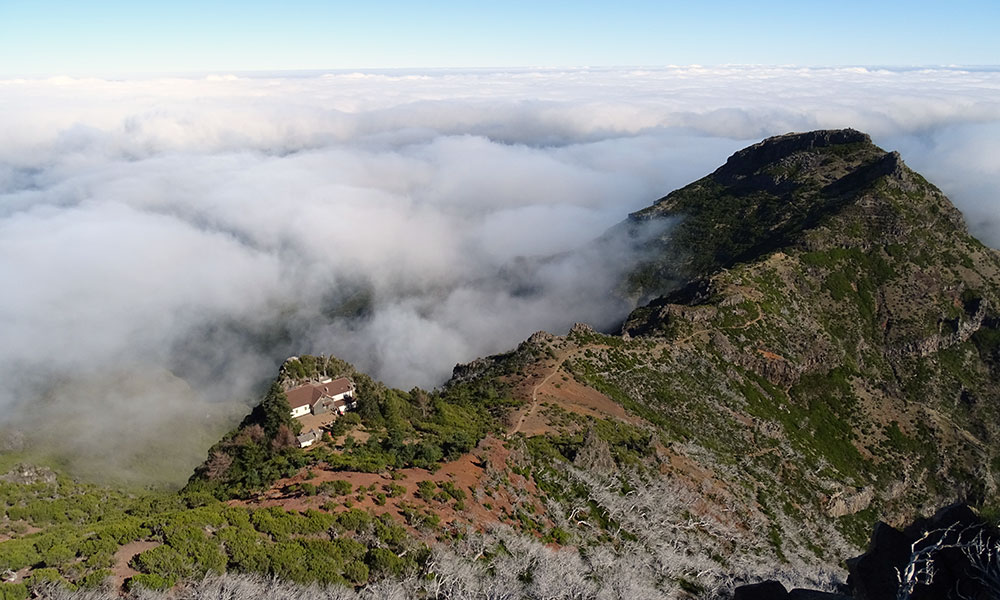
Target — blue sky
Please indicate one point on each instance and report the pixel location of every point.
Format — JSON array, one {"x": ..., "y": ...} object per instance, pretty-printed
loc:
[{"x": 54, "y": 37}]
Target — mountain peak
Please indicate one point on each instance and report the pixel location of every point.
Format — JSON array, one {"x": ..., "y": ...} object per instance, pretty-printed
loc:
[
  {"x": 784, "y": 191},
  {"x": 775, "y": 149}
]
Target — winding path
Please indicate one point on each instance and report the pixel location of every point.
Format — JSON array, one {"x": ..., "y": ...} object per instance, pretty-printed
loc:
[
  {"x": 534, "y": 396},
  {"x": 533, "y": 406}
]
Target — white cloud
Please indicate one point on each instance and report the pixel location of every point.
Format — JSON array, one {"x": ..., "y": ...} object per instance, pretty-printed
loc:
[{"x": 212, "y": 226}]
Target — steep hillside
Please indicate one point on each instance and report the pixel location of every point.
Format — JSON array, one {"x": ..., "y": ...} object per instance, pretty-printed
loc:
[{"x": 828, "y": 357}]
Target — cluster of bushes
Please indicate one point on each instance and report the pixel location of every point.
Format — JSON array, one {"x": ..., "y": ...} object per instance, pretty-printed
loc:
[
  {"x": 421, "y": 429},
  {"x": 67, "y": 503},
  {"x": 77, "y": 549},
  {"x": 254, "y": 455},
  {"x": 199, "y": 536},
  {"x": 303, "y": 547},
  {"x": 441, "y": 492}
]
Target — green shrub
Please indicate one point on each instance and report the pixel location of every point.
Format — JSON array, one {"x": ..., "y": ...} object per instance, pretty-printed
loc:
[
  {"x": 426, "y": 490},
  {"x": 43, "y": 577},
  {"x": 452, "y": 490},
  {"x": 150, "y": 582},
  {"x": 314, "y": 521},
  {"x": 163, "y": 561},
  {"x": 356, "y": 572},
  {"x": 394, "y": 490},
  {"x": 385, "y": 563},
  {"x": 19, "y": 553},
  {"x": 203, "y": 553},
  {"x": 94, "y": 579},
  {"x": 288, "y": 560},
  {"x": 341, "y": 487},
  {"x": 245, "y": 549},
  {"x": 354, "y": 519},
  {"x": 13, "y": 591},
  {"x": 274, "y": 521}
]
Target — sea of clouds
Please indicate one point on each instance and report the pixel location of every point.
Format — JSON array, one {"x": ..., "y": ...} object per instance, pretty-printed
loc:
[{"x": 165, "y": 243}]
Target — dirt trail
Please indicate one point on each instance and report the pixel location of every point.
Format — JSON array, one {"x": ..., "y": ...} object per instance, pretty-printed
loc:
[
  {"x": 755, "y": 320},
  {"x": 122, "y": 570},
  {"x": 568, "y": 394},
  {"x": 561, "y": 396},
  {"x": 534, "y": 397}
]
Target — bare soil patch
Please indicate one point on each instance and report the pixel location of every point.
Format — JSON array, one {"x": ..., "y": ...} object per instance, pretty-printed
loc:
[
  {"x": 548, "y": 381},
  {"x": 122, "y": 571},
  {"x": 478, "y": 474},
  {"x": 310, "y": 422}
]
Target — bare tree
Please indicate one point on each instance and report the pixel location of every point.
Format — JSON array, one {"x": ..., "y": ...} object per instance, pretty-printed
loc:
[{"x": 980, "y": 550}]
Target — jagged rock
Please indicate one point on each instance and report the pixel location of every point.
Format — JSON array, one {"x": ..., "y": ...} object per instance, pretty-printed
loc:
[
  {"x": 804, "y": 594},
  {"x": 595, "y": 454},
  {"x": 765, "y": 590},
  {"x": 470, "y": 370},
  {"x": 847, "y": 503},
  {"x": 873, "y": 574},
  {"x": 26, "y": 474},
  {"x": 775, "y": 149},
  {"x": 540, "y": 337}
]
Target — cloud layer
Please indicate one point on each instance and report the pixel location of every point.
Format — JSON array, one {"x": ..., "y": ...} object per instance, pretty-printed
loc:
[{"x": 207, "y": 228}]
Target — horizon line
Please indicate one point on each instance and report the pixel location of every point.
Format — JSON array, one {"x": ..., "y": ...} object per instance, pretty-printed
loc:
[{"x": 286, "y": 71}]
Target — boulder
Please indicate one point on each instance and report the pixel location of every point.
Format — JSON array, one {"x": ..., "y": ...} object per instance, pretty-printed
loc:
[
  {"x": 765, "y": 590},
  {"x": 803, "y": 594},
  {"x": 873, "y": 574}
]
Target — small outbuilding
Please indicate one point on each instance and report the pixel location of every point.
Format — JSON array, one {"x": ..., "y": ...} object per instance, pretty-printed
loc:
[{"x": 309, "y": 438}]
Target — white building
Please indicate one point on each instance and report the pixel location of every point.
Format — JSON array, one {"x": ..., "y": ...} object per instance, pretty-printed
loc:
[
  {"x": 322, "y": 397},
  {"x": 309, "y": 438}
]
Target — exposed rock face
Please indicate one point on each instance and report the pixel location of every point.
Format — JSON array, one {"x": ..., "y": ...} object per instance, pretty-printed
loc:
[
  {"x": 874, "y": 573},
  {"x": 765, "y": 590},
  {"x": 849, "y": 503},
  {"x": 775, "y": 150},
  {"x": 950, "y": 556},
  {"x": 26, "y": 474}
]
